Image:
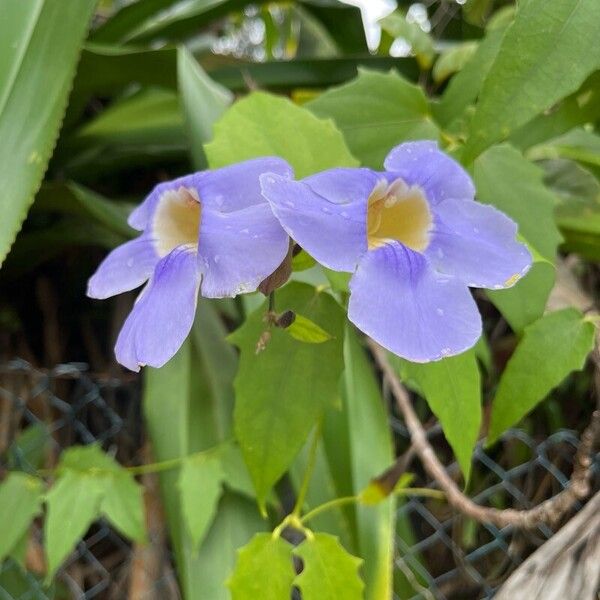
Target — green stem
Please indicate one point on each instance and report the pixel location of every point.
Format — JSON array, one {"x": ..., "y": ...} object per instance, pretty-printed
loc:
[
  {"x": 328, "y": 506},
  {"x": 272, "y": 302},
  {"x": 310, "y": 466}
]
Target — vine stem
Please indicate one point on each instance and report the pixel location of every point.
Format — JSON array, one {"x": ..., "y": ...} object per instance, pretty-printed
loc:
[
  {"x": 550, "y": 511},
  {"x": 310, "y": 467}
]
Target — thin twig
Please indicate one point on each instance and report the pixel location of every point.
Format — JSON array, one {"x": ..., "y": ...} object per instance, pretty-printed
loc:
[{"x": 550, "y": 511}]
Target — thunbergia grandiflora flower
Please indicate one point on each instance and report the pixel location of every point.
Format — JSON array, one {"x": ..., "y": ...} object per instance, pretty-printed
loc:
[
  {"x": 210, "y": 233},
  {"x": 415, "y": 239}
]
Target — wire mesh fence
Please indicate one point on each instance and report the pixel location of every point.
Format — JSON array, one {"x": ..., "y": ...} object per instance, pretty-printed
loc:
[{"x": 439, "y": 554}]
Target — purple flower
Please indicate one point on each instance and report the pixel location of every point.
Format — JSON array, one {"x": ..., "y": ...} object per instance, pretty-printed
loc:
[
  {"x": 415, "y": 240},
  {"x": 211, "y": 233}
]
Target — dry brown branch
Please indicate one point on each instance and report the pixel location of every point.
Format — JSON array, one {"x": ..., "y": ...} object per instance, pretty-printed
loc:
[
  {"x": 566, "y": 566},
  {"x": 550, "y": 511}
]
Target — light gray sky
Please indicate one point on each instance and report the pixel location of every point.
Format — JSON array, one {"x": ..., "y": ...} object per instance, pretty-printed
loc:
[{"x": 372, "y": 11}]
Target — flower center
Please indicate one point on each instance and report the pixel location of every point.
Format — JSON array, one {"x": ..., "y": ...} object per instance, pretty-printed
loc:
[
  {"x": 397, "y": 212},
  {"x": 176, "y": 220}
]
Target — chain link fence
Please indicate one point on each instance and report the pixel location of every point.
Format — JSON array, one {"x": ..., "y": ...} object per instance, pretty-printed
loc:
[{"x": 439, "y": 554}]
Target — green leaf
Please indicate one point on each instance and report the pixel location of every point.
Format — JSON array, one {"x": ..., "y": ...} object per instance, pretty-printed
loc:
[
  {"x": 504, "y": 179},
  {"x": 551, "y": 348},
  {"x": 283, "y": 390},
  {"x": 263, "y": 570},
  {"x": 463, "y": 88},
  {"x": 28, "y": 450},
  {"x": 452, "y": 388},
  {"x": 421, "y": 42},
  {"x": 308, "y": 72},
  {"x": 200, "y": 487},
  {"x": 578, "y": 215},
  {"x": 20, "y": 501},
  {"x": 265, "y": 125},
  {"x": 120, "y": 497},
  {"x": 72, "y": 199},
  {"x": 204, "y": 101},
  {"x": 574, "y": 111},
  {"x": 329, "y": 572},
  {"x": 39, "y": 47},
  {"x": 73, "y": 504},
  {"x": 305, "y": 330},
  {"x": 123, "y": 505},
  {"x": 545, "y": 55},
  {"x": 526, "y": 301},
  {"x": 580, "y": 145},
  {"x": 370, "y": 452},
  {"x": 453, "y": 59},
  {"x": 375, "y": 112},
  {"x": 187, "y": 405}
]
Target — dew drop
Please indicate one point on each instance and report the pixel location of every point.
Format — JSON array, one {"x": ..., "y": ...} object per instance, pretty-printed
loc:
[
  {"x": 439, "y": 311},
  {"x": 130, "y": 262}
]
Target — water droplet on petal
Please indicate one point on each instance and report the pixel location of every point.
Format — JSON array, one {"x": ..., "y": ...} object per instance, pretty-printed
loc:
[
  {"x": 130, "y": 262},
  {"x": 439, "y": 311}
]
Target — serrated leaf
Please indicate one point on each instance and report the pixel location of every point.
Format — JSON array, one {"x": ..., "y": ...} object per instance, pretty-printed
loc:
[
  {"x": 73, "y": 504},
  {"x": 265, "y": 125},
  {"x": 376, "y": 112},
  {"x": 264, "y": 570},
  {"x": 123, "y": 505},
  {"x": 551, "y": 348},
  {"x": 20, "y": 501},
  {"x": 308, "y": 331},
  {"x": 204, "y": 101},
  {"x": 283, "y": 390},
  {"x": 532, "y": 72},
  {"x": 200, "y": 488},
  {"x": 329, "y": 572},
  {"x": 452, "y": 388},
  {"x": 39, "y": 47}
]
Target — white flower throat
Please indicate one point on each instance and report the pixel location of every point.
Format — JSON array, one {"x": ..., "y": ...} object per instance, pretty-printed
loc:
[
  {"x": 176, "y": 220},
  {"x": 398, "y": 212}
]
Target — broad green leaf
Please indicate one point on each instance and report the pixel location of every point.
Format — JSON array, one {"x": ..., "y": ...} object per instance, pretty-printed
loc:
[
  {"x": 151, "y": 118},
  {"x": 551, "y": 348},
  {"x": 73, "y": 504},
  {"x": 264, "y": 570},
  {"x": 200, "y": 488},
  {"x": 453, "y": 59},
  {"x": 526, "y": 301},
  {"x": 505, "y": 179},
  {"x": 464, "y": 87},
  {"x": 452, "y": 388},
  {"x": 305, "y": 330},
  {"x": 283, "y": 390},
  {"x": 20, "y": 501},
  {"x": 420, "y": 42},
  {"x": 576, "y": 110},
  {"x": 72, "y": 199},
  {"x": 329, "y": 572},
  {"x": 371, "y": 452},
  {"x": 235, "y": 473},
  {"x": 580, "y": 145},
  {"x": 511, "y": 183},
  {"x": 187, "y": 405},
  {"x": 546, "y": 54},
  {"x": 578, "y": 215},
  {"x": 265, "y": 125},
  {"x": 39, "y": 46},
  {"x": 376, "y": 112},
  {"x": 204, "y": 101},
  {"x": 123, "y": 505},
  {"x": 300, "y": 74}
]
